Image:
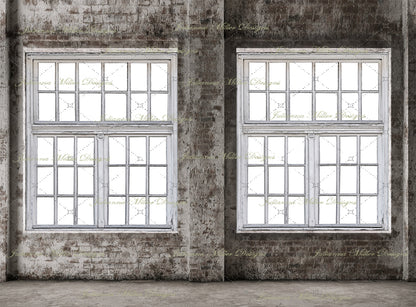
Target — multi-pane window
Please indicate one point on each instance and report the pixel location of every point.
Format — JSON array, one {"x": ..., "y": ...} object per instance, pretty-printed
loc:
[
  {"x": 313, "y": 137},
  {"x": 101, "y": 140}
]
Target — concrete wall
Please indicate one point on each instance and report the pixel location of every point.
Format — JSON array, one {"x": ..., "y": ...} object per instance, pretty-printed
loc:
[{"x": 206, "y": 34}]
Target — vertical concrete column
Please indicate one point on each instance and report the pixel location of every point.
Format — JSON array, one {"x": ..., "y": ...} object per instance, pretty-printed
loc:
[
  {"x": 206, "y": 164},
  {"x": 4, "y": 142}
]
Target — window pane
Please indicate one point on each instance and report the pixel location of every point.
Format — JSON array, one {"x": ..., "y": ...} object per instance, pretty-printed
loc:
[
  {"x": 66, "y": 107},
  {"x": 326, "y": 76},
  {"x": 139, "y": 107},
  {"x": 257, "y": 106},
  {"x": 157, "y": 150},
  {"x": 370, "y": 76},
  {"x": 326, "y": 106},
  {"x": 369, "y": 107},
  {"x": 327, "y": 209},
  {"x": 348, "y": 150},
  {"x": 296, "y": 150},
  {"x": 115, "y": 76},
  {"x": 85, "y": 180},
  {"x": 300, "y": 76},
  {"x": 46, "y": 107},
  {"x": 159, "y": 107},
  {"x": 137, "y": 150},
  {"x": 276, "y": 150},
  {"x": 255, "y": 210},
  {"x": 65, "y": 150},
  {"x": 296, "y": 210},
  {"x": 368, "y": 210},
  {"x": 347, "y": 210},
  {"x": 349, "y": 76},
  {"x": 137, "y": 180},
  {"x": 137, "y": 210},
  {"x": 159, "y": 76},
  {"x": 47, "y": 76},
  {"x": 328, "y": 179},
  {"x": 296, "y": 180},
  {"x": 257, "y": 76},
  {"x": 276, "y": 180},
  {"x": 89, "y": 107},
  {"x": 45, "y": 211},
  {"x": 277, "y": 80},
  {"x": 45, "y": 151},
  {"x": 116, "y": 211},
  {"x": 276, "y": 210},
  {"x": 90, "y": 76},
  {"x": 348, "y": 179},
  {"x": 65, "y": 180},
  {"x": 349, "y": 106},
  {"x": 85, "y": 149},
  {"x": 368, "y": 179},
  {"x": 256, "y": 180},
  {"x": 65, "y": 211},
  {"x": 117, "y": 150},
  {"x": 157, "y": 210},
  {"x": 66, "y": 76},
  {"x": 117, "y": 180},
  {"x": 85, "y": 211},
  {"x": 255, "y": 150},
  {"x": 157, "y": 180},
  {"x": 277, "y": 106},
  {"x": 328, "y": 149},
  {"x": 139, "y": 76},
  {"x": 368, "y": 149},
  {"x": 45, "y": 180},
  {"x": 115, "y": 107},
  {"x": 301, "y": 106}
]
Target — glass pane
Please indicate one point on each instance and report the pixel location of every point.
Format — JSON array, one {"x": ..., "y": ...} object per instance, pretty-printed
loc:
[
  {"x": 66, "y": 151},
  {"x": 257, "y": 76},
  {"x": 115, "y": 107},
  {"x": 296, "y": 150},
  {"x": 255, "y": 180},
  {"x": 296, "y": 210},
  {"x": 328, "y": 149},
  {"x": 159, "y": 107},
  {"x": 326, "y": 106},
  {"x": 117, "y": 180},
  {"x": 85, "y": 180},
  {"x": 65, "y": 180},
  {"x": 368, "y": 210},
  {"x": 89, "y": 107},
  {"x": 45, "y": 151},
  {"x": 349, "y": 76},
  {"x": 348, "y": 150},
  {"x": 300, "y": 76},
  {"x": 349, "y": 106},
  {"x": 276, "y": 210},
  {"x": 348, "y": 179},
  {"x": 301, "y": 106},
  {"x": 276, "y": 180},
  {"x": 137, "y": 150},
  {"x": 157, "y": 150},
  {"x": 296, "y": 180},
  {"x": 327, "y": 209},
  {"x": 85, "y": 151},
  {"x": 45, "y": 180},
  {"x": 117, "y": 150},
  {"x": 47, "y": 76},
  {"x": 45, "y": 211},
  {"x": 65, "y": 211},
  {"x": 116, "y": 211},
  {"x": 85, "y": 211},
  {"x": 255, "y": 150},
  {"x": 326, "y": 76},
  {"x": 369, "y": 107},
  {"x": 46, "y": 107},
  {"x": 159, "y": 78},
  {"x": 115, "y": 76},
  {"x": 368, "y": 179},
  {"x": 370, "y": 76},
  {"x": 139, "y": 76},
  {"x": 137, "y": 180},
  {"x": 255, "y": 210},
  {"x": 66, "y": 107},
  {"x": 157, "y": 210},
  {"x": 90, "y": 76},
  {"x": 277, "y": 80},
  {"x": 276, "y": 150},
  {"x": 347, "y": 210},
  {"x": 328, "y": 179},
  {"x": 139, "y": 107},
  {"x": 368, "y": 149},
  {"x": 66, "y": 76},
  {"x": 157, "y": 180},
  {"x": 277, "y": 106},
  {"x": 257, "y": 106},
  {"x": 137, "y": 210}
]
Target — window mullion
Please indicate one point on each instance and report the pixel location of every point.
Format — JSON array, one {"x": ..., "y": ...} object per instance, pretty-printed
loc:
[{"x": 102, "y": 179}]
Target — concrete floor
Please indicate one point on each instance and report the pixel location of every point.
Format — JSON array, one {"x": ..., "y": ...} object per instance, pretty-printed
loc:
[{"x": 182, "y": 293}]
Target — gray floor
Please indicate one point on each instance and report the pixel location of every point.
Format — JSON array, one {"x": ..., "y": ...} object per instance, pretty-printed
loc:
[{"x": 181, "y": 293}]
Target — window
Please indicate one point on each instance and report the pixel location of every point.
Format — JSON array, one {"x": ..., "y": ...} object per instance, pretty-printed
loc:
[
  {"x": 101, "y": 140},
  {"x": 313, "y": 137}
]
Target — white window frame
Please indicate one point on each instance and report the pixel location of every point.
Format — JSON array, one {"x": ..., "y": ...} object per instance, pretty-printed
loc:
[
  {"x": 311, "y": 129},
  {"x": 102, "y": 131}
]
